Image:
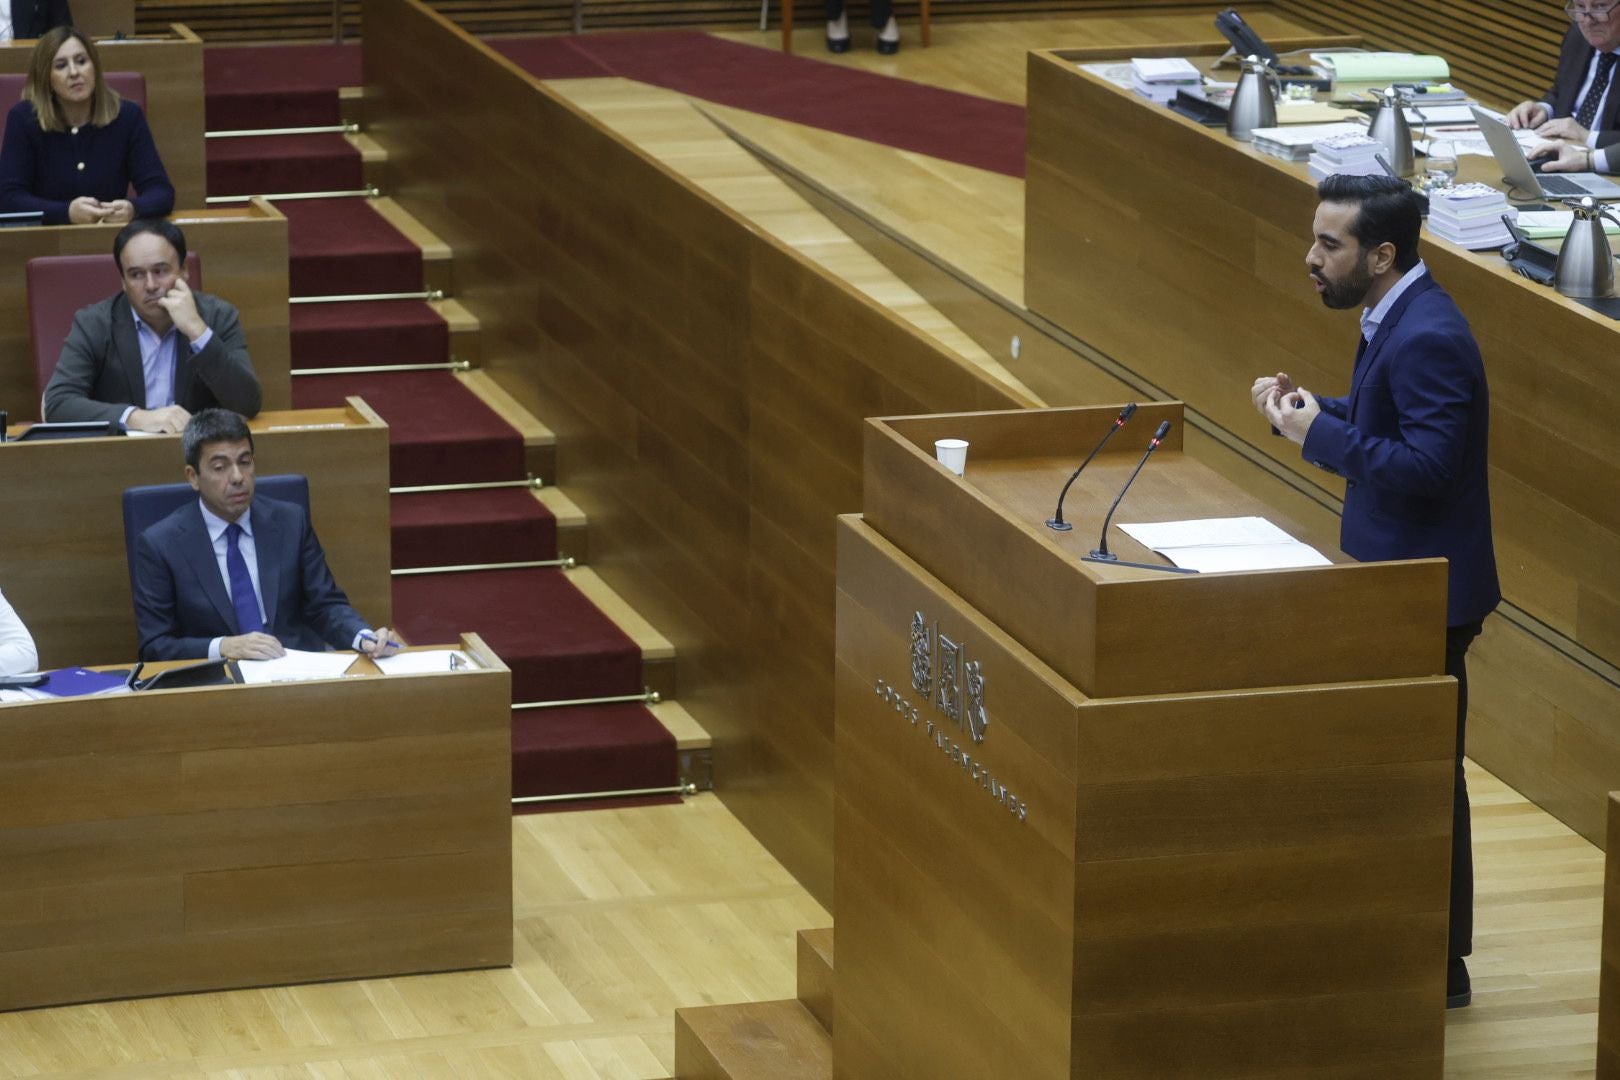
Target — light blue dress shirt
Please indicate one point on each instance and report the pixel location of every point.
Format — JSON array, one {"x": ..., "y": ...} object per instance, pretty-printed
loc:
[
  {"x": 1372, "y": 317},
  {"x": 158, "y": 358}
]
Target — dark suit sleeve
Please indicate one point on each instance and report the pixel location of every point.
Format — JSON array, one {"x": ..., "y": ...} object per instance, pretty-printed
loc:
[
  {"x": 154, "y": 195},
  {"x": 1334, "y": 406},
  {"x": 157, "y": 617},
  {"x": 1432, "y": 386},
  {"x": 19, "y": 160},
  {"x": 224, "y": 365},
  {"x": 69, "y": 394},
  {"x": 326, "y": 607}
]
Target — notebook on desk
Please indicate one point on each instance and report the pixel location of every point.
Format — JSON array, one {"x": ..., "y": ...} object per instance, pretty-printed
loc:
[{"x": 1516, "y": 168}]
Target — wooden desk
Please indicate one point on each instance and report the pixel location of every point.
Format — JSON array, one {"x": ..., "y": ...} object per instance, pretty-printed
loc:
[
  {"x": 62, "y": 555},
  {"x": 1181, "y": 253},
  {"x": 173, "y": 66},
  {"x": 244, "y": 260},
  {"x": 237, "y": 836}
]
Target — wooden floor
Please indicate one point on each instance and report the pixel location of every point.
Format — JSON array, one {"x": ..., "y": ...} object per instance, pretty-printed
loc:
[{"x": 625, "y": 915}]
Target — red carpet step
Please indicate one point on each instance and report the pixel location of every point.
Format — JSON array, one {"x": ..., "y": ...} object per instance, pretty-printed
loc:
[
  {"x": 895, "y": 112},
  {"x": 281, "y": 164},
  {"x": 368, "y": 332},
  {"x": 581, "y": 749},
  {"x": 272, "y": 86},
  {"x": 340, "y": 247},
  {"x": 455, "y": 528},
  {"x": 558, "y": 645},
  {"x": 439, "y": 431}
]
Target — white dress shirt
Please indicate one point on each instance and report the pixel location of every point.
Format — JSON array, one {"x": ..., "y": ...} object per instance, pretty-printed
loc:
[{"x": 17, "y": 652}]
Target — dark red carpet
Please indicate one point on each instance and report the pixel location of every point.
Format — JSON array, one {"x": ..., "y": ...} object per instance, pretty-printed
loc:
[
  {"x": 573, "y": 750},
  {"x": 895, "y": 112},
  {"x": 273, "y": 86},
  {"x": 556, "y": 642},
  {"x": 337, "y": 247},
  {"x": 368, "y": 332},
  {"x": 282, "y": 164},
  {"x": 439, "y": 431},
  {"x": 455, "y": 528}
]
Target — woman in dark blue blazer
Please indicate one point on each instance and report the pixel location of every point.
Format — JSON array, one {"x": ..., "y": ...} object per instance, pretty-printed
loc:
[{"x": 73, "y": 149}]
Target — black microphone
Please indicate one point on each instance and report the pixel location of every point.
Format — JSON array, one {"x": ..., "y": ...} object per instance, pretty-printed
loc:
[
  {"x": 5, "y": 422},
  {"x": 1056, "y": 522},
  {"x": 1102, "y": 554}
]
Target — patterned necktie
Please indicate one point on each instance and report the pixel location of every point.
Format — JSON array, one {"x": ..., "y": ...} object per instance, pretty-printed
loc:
[
  {"x": 1600, "y": 83},
  {"x": 248, "y": 619}
]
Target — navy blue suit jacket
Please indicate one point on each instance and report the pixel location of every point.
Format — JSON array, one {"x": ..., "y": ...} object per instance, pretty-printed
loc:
[
  {"x": 1410, "y": 441},
  {"x": 182, "y": 603},
  {"x": 47, "y": 170}
]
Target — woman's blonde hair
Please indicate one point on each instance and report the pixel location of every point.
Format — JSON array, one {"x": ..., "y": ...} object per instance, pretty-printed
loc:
[{"x": 38, "y": 93}]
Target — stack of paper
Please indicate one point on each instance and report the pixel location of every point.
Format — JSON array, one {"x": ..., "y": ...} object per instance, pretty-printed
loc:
[
  {"x": 1213, "y": 545},
  {"x": 1470, "y": 216},
  {"x": 1158, "y": 80},
  {"x": 1554, "y": 224},
  {"x": 296, "y": 666},
  {"x": 1294, "y": 143},
  {"x": 1354, "y": 73},
  {"x": 1351, "y": 154}
]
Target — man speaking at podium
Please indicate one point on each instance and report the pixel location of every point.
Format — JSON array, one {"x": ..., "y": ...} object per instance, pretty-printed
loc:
[{"x": 1409, "y": 439}]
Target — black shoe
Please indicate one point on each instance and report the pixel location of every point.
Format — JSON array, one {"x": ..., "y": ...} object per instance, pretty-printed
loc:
[
  {"x": 837, "y": 44},
  {"x": 888, "y": 48},
  {"x": 1459, "y": 989}
]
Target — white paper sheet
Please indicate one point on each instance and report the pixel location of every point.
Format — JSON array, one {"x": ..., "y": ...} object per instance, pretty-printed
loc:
[
  {"x": 423, "y": 661},
  {"x": 1217, "y": 545},
  {"x": 296, "y": 666}
]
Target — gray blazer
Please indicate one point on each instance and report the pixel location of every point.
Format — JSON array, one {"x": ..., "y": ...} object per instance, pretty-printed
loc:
[{"x": 99, "y": 373}]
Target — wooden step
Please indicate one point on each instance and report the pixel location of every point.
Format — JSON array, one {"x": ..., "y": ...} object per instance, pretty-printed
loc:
[
  {"x": 436, "y": 254},
  {"x": 465, "y": 341},
  {"x": 694, "y": 755},
  {"x": 815, "y": 966},
  {"x": 657, "y": 653},
  {"x": 762, "y": 1040},
  {"x": 539, "y": 444},
  {"x": 572, "y": 535}
]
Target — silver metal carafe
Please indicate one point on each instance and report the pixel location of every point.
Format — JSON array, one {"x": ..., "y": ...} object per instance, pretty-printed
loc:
[
  {"x": 1254, "y": 102},
  {"x": 1585, "y": 263},
  {"x": 1390, "y": 128}
]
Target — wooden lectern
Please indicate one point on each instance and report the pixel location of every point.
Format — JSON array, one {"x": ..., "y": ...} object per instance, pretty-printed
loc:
[{"x": 1095, "y": 821}]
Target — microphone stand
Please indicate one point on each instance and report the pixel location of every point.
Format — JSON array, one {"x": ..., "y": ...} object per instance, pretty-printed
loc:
[
  {"x": 1056, "y": 522},
  {"x": 1101, "y": 553}
]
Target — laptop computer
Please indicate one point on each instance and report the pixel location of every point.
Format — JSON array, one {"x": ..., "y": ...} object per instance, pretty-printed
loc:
[{"x": 1516, "y": 168}]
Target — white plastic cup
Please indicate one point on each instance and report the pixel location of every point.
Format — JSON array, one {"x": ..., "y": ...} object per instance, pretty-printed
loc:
[{"x": 952, "y": 453}]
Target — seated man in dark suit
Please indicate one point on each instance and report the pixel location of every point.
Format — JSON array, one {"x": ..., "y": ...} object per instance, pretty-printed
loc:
[
  {"x": 230, "y": 576},
  {"x": 157, "y": 352},
  {"x": 1581, "y": 108}
]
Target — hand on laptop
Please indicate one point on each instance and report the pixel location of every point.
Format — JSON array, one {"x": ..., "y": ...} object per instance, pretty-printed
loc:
[{"x": 1562, "y": 157}]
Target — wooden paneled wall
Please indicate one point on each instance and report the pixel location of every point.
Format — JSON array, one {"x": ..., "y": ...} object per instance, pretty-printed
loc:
[
  {"x": 247, "y": 20},
  {"x": 707, "y": 385},
  {"x": 1501, "y": 49}
]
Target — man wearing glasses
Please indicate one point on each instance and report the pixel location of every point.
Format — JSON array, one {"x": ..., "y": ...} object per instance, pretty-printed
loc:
[{"x": 1580, "y": 109}]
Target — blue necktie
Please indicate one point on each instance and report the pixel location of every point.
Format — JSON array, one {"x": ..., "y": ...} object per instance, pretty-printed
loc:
[{"x": 248, "y": 619}]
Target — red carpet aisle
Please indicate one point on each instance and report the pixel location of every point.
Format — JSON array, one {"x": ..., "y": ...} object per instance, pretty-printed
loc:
[
  {"x": 558, "y": 645},
  {"x": 895, "y": 112}
]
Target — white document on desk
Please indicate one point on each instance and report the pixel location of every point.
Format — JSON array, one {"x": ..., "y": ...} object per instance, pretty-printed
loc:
[
  {"x": 1216, "y": 545},
  {"x": 424, "y": 661},
  {"x": 296, "y": 666}
]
